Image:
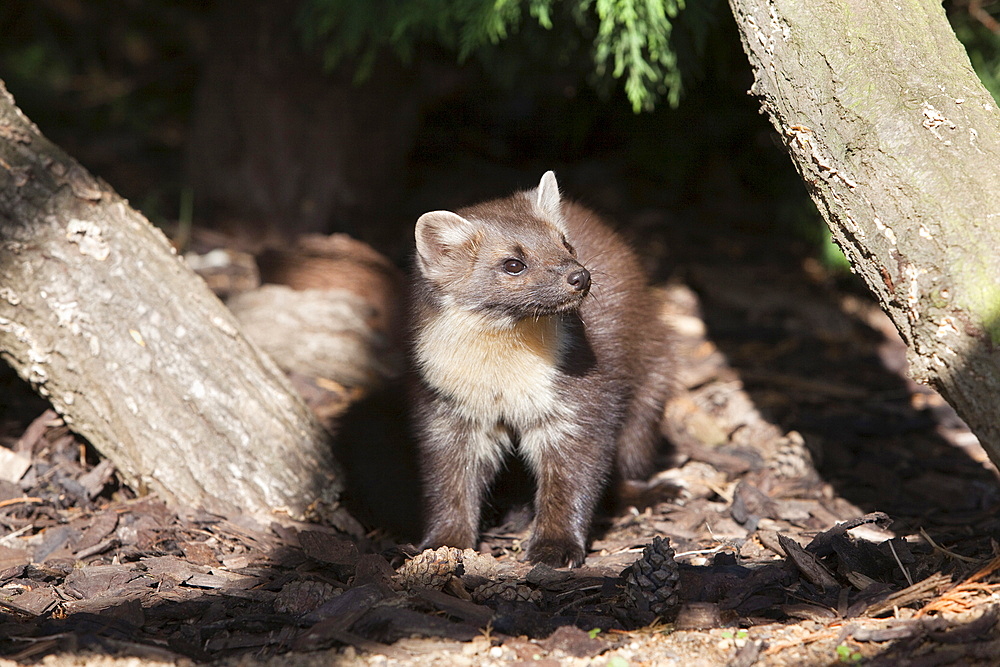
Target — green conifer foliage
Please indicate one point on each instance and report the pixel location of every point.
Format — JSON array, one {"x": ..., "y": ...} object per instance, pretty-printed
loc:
[{"x": 632, "y": 37}]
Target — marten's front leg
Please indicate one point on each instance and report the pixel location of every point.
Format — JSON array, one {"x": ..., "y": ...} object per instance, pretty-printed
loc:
[
  {"x": 570, "y": 473},
  {"x": 459, "y": 461}
]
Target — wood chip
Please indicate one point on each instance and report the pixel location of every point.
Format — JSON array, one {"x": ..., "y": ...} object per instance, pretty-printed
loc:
[
  {"x": 301, "y": 597},
  {"x": 822, "y": 544},
  {"x": 10, "y": 559},
  {"x": 236, "y": 562},
  {"x": 200, "y": 553},
  {"x": 36, "y": 430},
  {"x": 328, "y": 548},
  {"x": 749, "y": 502},
  {"x": 9, "y": 607},
  {"x": 95, "y": 480},
  {"x": 106, "y": 580},
  {"x": 902, "y": 629},
  {"x": 809, "y": 612},
  {"x": 810, "y": 567},
  {"x": 33, "y": 602},
  {"x": 546, "y": 576},
  {"x": 126, "y": 608},
  {"x": 56, "y": 541},
  {"x": 358, "y": 599},
  {"x": 222, "y": 579},
  {"x": 769, "y": 539},
  {"x": 373, "y": 568},
  {"x": 101, "y": 525},
  {"x": 477, "y": 614},
  {"x": 173, "y": 567},
  {"x": 918, "y": 592},
  {"x": 13, "y": 465}
]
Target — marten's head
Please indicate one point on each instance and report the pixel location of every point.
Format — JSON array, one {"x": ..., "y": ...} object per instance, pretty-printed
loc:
[{"x": 511, "y": 257}]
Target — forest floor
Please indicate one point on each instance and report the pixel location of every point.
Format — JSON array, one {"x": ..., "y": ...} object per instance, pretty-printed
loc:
[{"x": 822, "y": 509}]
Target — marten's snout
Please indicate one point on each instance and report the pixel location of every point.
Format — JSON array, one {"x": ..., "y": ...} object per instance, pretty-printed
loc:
[{"x": 579, "y": 280}]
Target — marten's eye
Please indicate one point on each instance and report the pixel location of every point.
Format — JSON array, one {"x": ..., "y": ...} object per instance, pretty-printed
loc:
[
  {"x": 569, "y": 248},
  {"x": 514, "y": 266}
]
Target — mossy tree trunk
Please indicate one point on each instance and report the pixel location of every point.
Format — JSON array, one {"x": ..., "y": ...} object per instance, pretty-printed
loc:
[
  {"x": 899, "y": 145},
  {"x": 135, "y": 352}
]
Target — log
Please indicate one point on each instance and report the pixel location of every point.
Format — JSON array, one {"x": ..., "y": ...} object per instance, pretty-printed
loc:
[{"x": 104, "y": 320}]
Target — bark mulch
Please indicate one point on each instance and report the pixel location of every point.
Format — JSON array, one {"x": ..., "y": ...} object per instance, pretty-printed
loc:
[{"x": 818, "y": 508}]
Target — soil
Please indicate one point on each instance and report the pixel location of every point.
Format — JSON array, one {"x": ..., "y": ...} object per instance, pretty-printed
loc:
[{"x": 819, "y": 508}]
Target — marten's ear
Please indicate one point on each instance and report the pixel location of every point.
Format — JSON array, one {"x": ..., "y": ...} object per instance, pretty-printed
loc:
[
  {"x": 442, "y": 238},
  {"x": 547, "y": 198}
]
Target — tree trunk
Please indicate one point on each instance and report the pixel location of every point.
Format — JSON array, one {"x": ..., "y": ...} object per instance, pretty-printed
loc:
[
  {"x": 899, "y": 144},
  {"x": 135, "y": 352}
]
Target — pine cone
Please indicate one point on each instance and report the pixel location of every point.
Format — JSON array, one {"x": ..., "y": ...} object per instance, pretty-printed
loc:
[
  {"x": 431, "y": 568},
  {"x": 300, "y": 597},
  {"x": 651, "y": 583},
  {"x": 508, "y": 591}
]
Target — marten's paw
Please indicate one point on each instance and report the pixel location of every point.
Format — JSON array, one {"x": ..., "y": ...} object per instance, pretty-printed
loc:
[
  {"x": 556, "y": 553},
  {"x": 444, "y": 535}
]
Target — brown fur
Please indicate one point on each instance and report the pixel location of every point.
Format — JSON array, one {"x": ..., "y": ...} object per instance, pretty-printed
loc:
[{"x": 572, "y": 378}]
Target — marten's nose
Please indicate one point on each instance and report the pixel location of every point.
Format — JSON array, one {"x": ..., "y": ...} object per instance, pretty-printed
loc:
[{"x": 579, "y": 280}]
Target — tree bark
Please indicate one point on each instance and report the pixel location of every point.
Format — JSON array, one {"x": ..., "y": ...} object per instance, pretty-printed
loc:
[
  {"x": 135, "y": 352},
  {"x": 899, "y": 144}
]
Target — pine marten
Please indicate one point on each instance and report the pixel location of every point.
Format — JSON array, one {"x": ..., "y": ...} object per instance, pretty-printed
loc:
[{"x": 534, "y": 331}]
